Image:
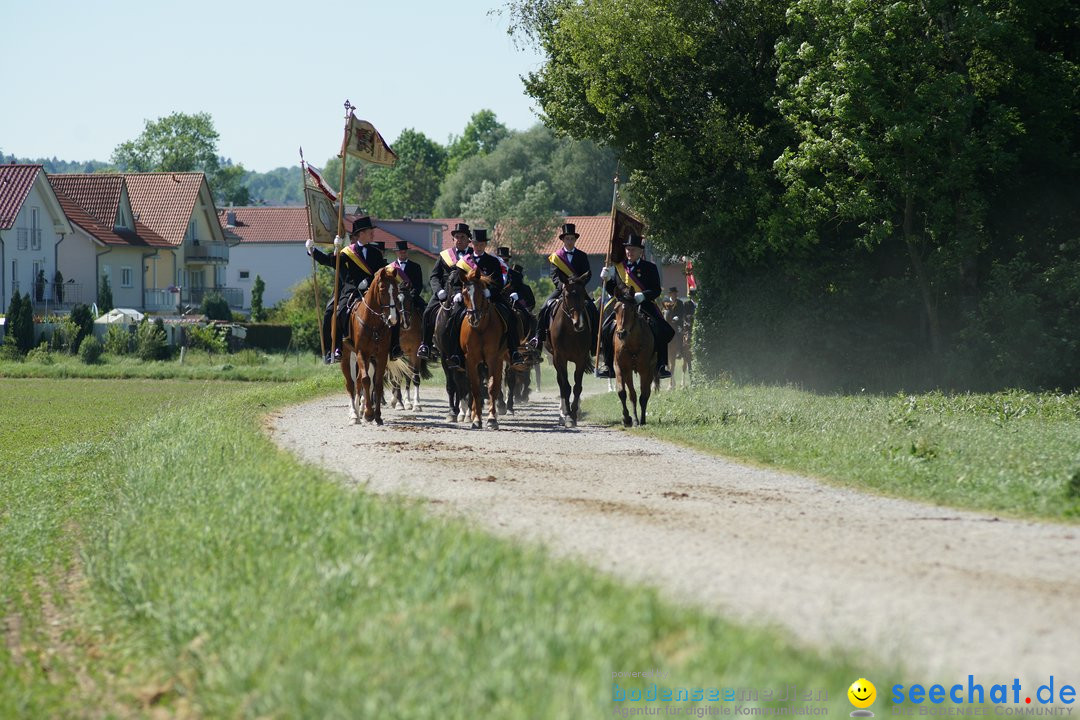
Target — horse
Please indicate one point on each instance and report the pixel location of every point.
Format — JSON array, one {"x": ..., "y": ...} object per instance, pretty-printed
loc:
[
  {"x": 484, "y": 344},
  {"x": 517, "y": 377},
  {"x": 570, "y": 341},
  {"x": 680, "y": 344},
  {"x": 634, "y": 352},
  {"x": 457, "y": 383},
  {"x": 409, "y": 369},
  {"x": 366, "y": 347}
]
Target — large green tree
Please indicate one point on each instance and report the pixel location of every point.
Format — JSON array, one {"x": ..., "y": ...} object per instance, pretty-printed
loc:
[
  {"x": 482, "y": 135},
  {"x": 410, "y": 186},
  {"x": 522, "y": 213}
]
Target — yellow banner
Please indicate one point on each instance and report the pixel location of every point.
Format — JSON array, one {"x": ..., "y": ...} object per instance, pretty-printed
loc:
[
  {"x": 322, "y": 215},
  {"x": 362, "y": 140}
]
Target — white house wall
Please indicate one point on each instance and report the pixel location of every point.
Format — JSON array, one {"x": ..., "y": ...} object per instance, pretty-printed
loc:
[
  {"x": 114, "y": 263},
  {"x": 76, "y": 261},
  {"x": 280, "y": 265},
  {"x": 22, "y": 273}
]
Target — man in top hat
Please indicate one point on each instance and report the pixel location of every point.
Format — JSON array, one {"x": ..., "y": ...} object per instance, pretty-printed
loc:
[
  {"x": 516, "y": 287},
  {"x": 566, "y": 262},
  {"x": 672, "y": 301},
  {"x": 643, "y": 278},
  {"x": 359, "y": 263},
  {"x": 444, "y": 283},
  {"x": 411, "y": 273},
  {"x": 490, "y": 266}
]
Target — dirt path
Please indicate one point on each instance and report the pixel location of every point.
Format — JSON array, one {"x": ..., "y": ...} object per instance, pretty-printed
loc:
[{"x": 945, "y": 592}]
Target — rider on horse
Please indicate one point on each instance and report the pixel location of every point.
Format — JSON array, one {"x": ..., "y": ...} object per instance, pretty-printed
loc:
[
  {"x": 643, "y": 279},
  {"x": 411, "y": 274},
  {"x": 492, "y": 268},
  {"x": 359, "y": 262},
  {"x": 445, "y": 283},
  {"x": 518, "y": 293},
  {"x": 566, "y": 262}
]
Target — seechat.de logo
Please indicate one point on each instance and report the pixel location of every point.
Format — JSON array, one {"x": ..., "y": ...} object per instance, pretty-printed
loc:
[{"x": 862, "y": 695}]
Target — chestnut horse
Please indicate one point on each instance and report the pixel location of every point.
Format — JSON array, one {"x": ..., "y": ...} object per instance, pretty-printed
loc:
[
  {"x": 483, "y": 341},
  {"x": 634, "y": 352},
  {"x": 409, "y": 369},
  {"x": 570, "y": 341},
  {"x": 367, "y": 345}
]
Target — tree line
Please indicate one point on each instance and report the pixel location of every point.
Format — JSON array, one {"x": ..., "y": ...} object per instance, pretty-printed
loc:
[{"x": 877, "y": 193}]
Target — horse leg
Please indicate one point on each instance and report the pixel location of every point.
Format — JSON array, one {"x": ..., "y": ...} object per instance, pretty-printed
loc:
[
  {"x": 643, "y": 399},
  {"x": 564, "y": 387},
  {"x": 510, "y": 380},
  {"x": 579, "y": 371},
  {"x": 476, "y": 394},
  {"x": 349, "y": 370},
  {"x": 380, "y": 370},
  {"x": 495, "y": 376},
  {"x": 369, "y": 389},
  {"x": 395, "y": 394},
  {"x": 633, "y": 394},
  {"x": 416, "y": 386},
  {"x": 621, "y": 389}
]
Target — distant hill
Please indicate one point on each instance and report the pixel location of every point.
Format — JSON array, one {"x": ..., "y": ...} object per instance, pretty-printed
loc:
[{"x": 280, "y": 186}]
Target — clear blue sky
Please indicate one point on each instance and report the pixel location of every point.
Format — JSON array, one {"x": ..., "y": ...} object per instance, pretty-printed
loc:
[{"x": 81, "y": 77}]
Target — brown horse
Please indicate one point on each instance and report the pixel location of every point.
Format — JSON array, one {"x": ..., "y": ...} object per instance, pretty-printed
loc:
[
  {"x": 680, "y": 344},
  {"x": 570, "y": 341},
  {"x": 516, "y": 377},
  {"x": 634, "y": 352},
  {"x": 484, "y": 344},
  {"x": 367, "y": 345},
  {"x": 409, "y": 369}
]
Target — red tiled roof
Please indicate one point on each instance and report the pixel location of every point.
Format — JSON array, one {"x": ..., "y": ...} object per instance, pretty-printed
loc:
[
  {"x": 98, "y": 194},
  {"x": 142, "y": 237},
  {"x": 165, "y": 201},
  {"x": 267, "y": 224},
  {"x": 15, "y": 184}
]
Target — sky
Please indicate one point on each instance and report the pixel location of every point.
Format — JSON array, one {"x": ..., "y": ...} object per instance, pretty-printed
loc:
[{"x": 82, "y": 77}]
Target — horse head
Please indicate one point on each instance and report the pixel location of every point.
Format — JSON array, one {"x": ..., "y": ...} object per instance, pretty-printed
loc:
[
  {"x": 627, "y": 311},
  {"x": 384, "y": 294},
  {"x": 475, "y": 283},
  {"x": 574, "y": 296}
]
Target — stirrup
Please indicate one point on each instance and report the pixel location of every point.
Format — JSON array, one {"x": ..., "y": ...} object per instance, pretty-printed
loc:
[
  {"x": 662, "y": 372},
  {"x": 395, "y": 352},
  {"x": 516, "y": 358},
  {"x": 603, "y": 371},
  {"x": 423, "y": 352},
  {"x": 454, "y": 362}
]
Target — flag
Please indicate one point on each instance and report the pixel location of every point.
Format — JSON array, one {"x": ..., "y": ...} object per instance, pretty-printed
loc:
[
  {"x": 322, "y": 215},
  {"x": 315, "y": 179},
  {"x": 362, "y": 140},
  {"x": 691, "y": 283},
  {"x": 626, "y": 221}
]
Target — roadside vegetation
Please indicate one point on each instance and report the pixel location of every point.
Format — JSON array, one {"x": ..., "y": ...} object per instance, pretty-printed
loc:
[
  {"x": 1011, "y": 452},
  {"x": 161, "y": 555}
]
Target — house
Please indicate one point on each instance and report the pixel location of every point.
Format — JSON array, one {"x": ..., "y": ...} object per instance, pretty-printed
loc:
[
  {"x": 32, "y": 228},
  {"x": 108, "y": 241},
  {"x": 271, "y": 246}
]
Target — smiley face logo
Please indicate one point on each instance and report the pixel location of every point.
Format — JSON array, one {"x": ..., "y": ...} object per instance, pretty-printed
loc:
[{"x": 862, "y": 693}]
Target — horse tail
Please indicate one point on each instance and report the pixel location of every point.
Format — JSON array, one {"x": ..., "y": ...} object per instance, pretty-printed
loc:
[
  {"x": 397, "y": 371},
  {"x": 425, "y": 373}
]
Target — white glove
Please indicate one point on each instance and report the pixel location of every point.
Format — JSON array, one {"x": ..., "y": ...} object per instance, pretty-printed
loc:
[
  {"x": 607, "y": 273},
  {"x": 308, "y": 245},
  {"x": 337, "y": 243},
  {"x": 442, "y": 294},
  {"x": 487, "y": 293},
  {"x": 457, "y": 298},
  {"x": 639, "y": 298},
  {"x": 364, "y": 286},
  {"x": 514, "y": 297}
]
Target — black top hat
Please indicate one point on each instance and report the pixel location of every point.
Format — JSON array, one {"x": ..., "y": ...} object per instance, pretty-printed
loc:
[
  {"x": 402, "y": 244},
  {"x": 461, "y": 228},
  {"x": 633, "y": 240},
  {"x": 519, "y": 268},
  {"x": 504, "y": 253},
  {"x": 379, "y": 244},
  {"x": 479, "y": 235},
  {"x": 568, "y": 229},
  {"x": 361, "y": 223},
  {"x": 673, "y": 289}
]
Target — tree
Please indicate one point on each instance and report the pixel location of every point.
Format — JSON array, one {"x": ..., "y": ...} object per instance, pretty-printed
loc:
[
  {"x": 104, "y": 298},
  {"x": 24, "y": 325},
  {"x": 410, "y": 186},
  {"x": 522, "y": 214},
  {"x": 482, "y": 135},
  {"x": 12, "y": 332},
  {"x": 230, "y": 184},
  {"x": 215, "y": 307},
  {"x": 258, "y": 314}
]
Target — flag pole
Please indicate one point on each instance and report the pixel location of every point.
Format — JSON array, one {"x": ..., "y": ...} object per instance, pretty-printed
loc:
[
  {"x": 607, "y": 261},
  {"x": 341, "y": 227},
  {"x": 311, "y": 234}
]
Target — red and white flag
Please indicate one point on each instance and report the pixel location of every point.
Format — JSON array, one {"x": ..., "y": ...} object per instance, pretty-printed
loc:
[{"x": 315, "y": 179}]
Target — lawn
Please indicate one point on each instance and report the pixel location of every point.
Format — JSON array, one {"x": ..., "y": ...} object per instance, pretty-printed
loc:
[
  {"x": 1014, "y": 453},
  {"x": 162, "y": 555}
]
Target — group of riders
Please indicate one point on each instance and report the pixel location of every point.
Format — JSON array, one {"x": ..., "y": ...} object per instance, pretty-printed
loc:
[{"x": 362, "y": 257}]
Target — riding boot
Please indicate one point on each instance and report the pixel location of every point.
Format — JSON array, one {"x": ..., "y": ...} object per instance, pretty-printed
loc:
[
  {"x": 452, "y": 343},
  {"x": 662, "y": 360},
  {"x": 542, "y": 321},
  {"x": 512, "y": 341},
  {"x": 428, "y": 330},
  {"x": 607, "y": 347},
  {"x": 395, "y": 342},
  {"x": 327, "y": 318}
]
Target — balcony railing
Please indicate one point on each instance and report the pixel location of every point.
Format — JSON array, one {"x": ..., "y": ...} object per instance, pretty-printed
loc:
[
  {"x": 159, "y": 300},
  {"x": 207, "y": 253},
  {"x": 233, "y": 296},
  {"x": 47, "y": 296}
]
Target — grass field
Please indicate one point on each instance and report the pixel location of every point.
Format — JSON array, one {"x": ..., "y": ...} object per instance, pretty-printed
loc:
[
  {"x": 1014, "y": 452},
  {"x": 161, "y": 555}
]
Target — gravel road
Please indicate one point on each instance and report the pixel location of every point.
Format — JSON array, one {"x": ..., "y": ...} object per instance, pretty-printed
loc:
[{"x": 943, "y": 592}]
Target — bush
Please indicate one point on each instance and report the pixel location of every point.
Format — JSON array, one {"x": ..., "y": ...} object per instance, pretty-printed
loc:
[
  {"x": 118, "y": 340},
  {"x": 104, "y": 297},
  {"x": 150, "y": 340},
  {"x": 41, "y": 355},
  {"x": 84, "y": 321},
  {"x": 65, "y": 336},
  {"x": 206, "y": 337},
  {"x": 215, "y": 307},
  {"x": 90, "y": 350},
  {"x": 258, "y": 314},
  {"x": 24, "y": 325},
  {"x": 9, "y": 349}
]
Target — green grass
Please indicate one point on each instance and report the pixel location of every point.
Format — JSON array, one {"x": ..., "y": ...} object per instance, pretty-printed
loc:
[
  {"x": 248, "y": 365},
  {"x": 241, "y": 583},
  {"x": 1014, "y": 453}
]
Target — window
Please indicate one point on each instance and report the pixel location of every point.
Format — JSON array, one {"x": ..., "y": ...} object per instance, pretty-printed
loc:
[
  {"x": 35, "y": 229},
  {"x": 245, "y": 274},
  {"x": 192, "y": 231},
  {"x": 126, "y": 276}
]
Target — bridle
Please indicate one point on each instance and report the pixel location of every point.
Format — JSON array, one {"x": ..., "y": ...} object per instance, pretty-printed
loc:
[
  {"x": 634, "y": 311},
  {"x": 579, "y": 324},
  {"x": 475, "y": 316},
  {"x": 390, "y": 318}
]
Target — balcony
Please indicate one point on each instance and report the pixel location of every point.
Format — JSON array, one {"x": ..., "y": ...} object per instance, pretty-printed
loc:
[
  {"x": 233, "y": 296},
  {"x": 159, "y": 301},
  {"x": 207, "y": 253},
  {"x": 49, "y": 296}
]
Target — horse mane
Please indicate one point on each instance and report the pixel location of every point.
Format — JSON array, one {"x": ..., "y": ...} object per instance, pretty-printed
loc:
[{"x": 475, "y": 276}]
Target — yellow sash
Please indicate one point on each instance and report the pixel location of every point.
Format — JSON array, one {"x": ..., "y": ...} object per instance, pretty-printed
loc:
[
  {"x": 355, "y": 257},
  {"x": 448, "y": 257},
  {"x": 558, "y": 262},
  {"x": 628, "y": 279}
]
